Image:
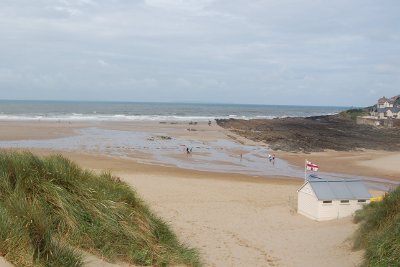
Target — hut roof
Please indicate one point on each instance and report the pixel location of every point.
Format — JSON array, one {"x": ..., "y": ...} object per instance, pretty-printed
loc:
[{"x": 339, "y": 189}]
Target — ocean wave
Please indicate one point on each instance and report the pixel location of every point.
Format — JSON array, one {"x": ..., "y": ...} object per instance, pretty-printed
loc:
[
  {"x": 116, "y": 117},
  {"x": 122, "y": 117}
]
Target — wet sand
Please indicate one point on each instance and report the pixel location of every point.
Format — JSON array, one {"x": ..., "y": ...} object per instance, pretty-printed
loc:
[
  {"x": 166, "y": 145},
  {"x": 234, "y": 219},
  {"x": 36, "y": 130}
]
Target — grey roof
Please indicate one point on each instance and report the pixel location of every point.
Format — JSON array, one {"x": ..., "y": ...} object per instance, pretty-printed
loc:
[
  {"x": 339, "y": 189},
  {"x": 393, "y": 109}
]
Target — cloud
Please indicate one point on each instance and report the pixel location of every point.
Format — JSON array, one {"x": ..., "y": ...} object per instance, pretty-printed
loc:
[
  {"x": 102, "y": 63},
  {"x": 67, "y": 10},
  {"x": 186, "y": 5},
  {"x": 342, "y": 52}
]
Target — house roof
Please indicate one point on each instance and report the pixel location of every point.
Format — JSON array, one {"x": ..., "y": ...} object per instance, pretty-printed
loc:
[
  {"x": 382, "y": 100},
  {"x": 393, "y": 109},
  {"x": 339, "y": 189}
]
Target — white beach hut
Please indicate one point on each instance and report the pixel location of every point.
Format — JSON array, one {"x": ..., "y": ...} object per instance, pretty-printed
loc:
[{"x": 321, "y": 199}]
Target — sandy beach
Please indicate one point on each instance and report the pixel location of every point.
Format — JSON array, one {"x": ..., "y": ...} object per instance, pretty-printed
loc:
[{"x": 233, "y": 218}]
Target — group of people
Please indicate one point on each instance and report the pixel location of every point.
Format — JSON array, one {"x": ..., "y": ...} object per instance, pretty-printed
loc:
[{"x": 271, "y": 158}]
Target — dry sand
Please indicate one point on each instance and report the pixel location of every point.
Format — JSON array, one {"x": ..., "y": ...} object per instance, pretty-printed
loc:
[
  {"x": 234, "y": 219},
  {"x": 244, "y": 223}
]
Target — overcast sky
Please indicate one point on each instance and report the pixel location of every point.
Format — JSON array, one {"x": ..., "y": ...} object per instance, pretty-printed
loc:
[{"x": 230, "y": 51}]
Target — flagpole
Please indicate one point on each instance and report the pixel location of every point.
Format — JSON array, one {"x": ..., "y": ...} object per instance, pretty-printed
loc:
[
  {"x": 305, "y": 171},
  {"x": 311, "y": 167}
]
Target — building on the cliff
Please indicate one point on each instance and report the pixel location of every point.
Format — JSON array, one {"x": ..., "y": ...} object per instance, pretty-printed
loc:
[
  {"x": 385, "y": 102},
  {"x": 321, "y": 199},
  {"x": 386, "y": 113},
  {"x": 387, "y": 108}
]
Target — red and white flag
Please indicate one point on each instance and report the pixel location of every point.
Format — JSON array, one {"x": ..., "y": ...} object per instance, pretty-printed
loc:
[{"x": 311, "y": 166}]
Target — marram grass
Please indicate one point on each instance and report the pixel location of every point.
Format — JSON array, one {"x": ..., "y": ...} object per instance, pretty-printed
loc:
[
  {"x": 51, "y": 210},
  {"x": 379, "y": 231}
]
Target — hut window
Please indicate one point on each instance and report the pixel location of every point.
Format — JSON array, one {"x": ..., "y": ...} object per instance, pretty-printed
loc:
[
  {"x": 362, "y": 200},
  {"x": 344, "y": 201},
  {"x": 327, "y": 201}
]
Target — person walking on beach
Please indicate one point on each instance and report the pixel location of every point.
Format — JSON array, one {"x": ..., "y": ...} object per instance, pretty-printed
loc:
[
  {"x": 269, "y": 157},
  {"x": 273, "y": 159}
]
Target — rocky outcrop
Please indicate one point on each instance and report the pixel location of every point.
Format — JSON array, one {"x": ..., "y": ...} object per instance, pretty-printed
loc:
[{"x": 336, "y": 132}]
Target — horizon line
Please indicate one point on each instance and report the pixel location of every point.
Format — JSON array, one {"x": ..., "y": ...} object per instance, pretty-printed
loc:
[{"x": 169, "y": 102}]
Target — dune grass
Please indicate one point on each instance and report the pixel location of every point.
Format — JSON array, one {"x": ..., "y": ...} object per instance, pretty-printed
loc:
[
  {"x": 379, "y": 231},
  {"x": 51, "y": 210},
  {"x": 352, "y": 114}
]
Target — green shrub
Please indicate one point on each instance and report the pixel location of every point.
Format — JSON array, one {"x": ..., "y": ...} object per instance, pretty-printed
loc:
[
  {"x": 354, "y": 113},
  {"x": 379, "y": 231}
]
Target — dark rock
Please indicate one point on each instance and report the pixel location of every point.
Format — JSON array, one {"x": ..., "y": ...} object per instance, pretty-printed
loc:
[{"x": 317, "y": 133}]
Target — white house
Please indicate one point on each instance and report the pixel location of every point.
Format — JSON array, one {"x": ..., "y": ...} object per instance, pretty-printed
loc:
[
  {"x": 387, "y": 108},
  {"x": 321, "y": 199},
  {"x": 385, "y": 102}
]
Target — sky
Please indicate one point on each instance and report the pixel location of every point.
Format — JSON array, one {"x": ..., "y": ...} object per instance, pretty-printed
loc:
[{"x": 302, "y": 52}]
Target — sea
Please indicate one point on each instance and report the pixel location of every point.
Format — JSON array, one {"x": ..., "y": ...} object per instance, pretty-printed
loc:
[{"x": 135, "y": 111}]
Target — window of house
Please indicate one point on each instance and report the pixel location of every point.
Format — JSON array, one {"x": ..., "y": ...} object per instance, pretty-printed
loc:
[
  {"x": 362, "y": 200},
  {"x": 344, "y": 201},
  {"x": 327, "y": 202}
]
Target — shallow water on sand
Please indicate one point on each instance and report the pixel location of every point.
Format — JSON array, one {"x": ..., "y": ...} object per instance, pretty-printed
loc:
[
  {"x": 218, "y": 155},
  {"x": 221, "y": 155}
]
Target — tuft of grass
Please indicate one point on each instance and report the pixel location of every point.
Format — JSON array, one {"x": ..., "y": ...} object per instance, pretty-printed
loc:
[
  {"x": 50, "y": 209},
  {"x": 352, "y": 114},
  {"x": 379, "y": 231}
]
